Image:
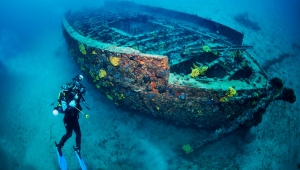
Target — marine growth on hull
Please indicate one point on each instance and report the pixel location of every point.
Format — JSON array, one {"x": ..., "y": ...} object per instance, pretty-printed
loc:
[
  {"x": 198, "y": 50},
  {"x": 171, "y": 65}
]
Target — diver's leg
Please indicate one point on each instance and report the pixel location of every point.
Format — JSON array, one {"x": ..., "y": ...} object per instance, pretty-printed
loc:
[
  {"x": 65, "y": 138},
  {"x": 78, "y": 134}
]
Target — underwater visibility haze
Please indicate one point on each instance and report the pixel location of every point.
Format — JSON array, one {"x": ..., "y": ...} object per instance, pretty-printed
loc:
[{"x": 166, "y": 84}]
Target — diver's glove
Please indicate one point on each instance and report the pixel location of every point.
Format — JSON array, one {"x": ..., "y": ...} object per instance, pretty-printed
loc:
[
  {"x": 72, "y": 103},
  {"x": 58, "y": 110}
]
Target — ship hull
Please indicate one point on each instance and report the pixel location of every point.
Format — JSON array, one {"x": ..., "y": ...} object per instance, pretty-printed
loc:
[{"x": 154, "y": 84}]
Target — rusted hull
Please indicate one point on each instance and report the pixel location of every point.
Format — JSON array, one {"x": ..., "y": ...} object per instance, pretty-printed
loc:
[
  {"x": 227, "y": 96},
  {"x": 140, "y": 82}
]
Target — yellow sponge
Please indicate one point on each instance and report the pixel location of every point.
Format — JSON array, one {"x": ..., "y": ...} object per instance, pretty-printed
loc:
[
  {"x": 206, "y": 48},
  {"x": 198, "y": 70},
  {"x": 114, "y": 60},
  {"x": 102, "y": 73},
  {"x": 82, "y": 48},
  {"x": 231, "y": 92},
  {"x": 187, "y": 148}
]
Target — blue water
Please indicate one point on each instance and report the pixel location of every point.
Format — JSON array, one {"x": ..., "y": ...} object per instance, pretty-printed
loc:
[{"x": 34, "y": 63}]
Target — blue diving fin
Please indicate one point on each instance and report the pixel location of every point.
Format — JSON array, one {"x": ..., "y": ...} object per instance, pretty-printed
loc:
[
  {"x": 61, "y": 160},
  {"x": 80, "y": 160}
]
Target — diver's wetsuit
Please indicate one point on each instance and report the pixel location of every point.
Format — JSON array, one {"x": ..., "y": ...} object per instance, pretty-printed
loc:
[{"x": 71, "y": 116}]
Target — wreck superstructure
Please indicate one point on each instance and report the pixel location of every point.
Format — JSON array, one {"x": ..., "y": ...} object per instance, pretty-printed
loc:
[{"x": 172, "y": 65}]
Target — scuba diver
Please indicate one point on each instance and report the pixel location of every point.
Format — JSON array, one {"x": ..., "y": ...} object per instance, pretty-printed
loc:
[{"x": 69, "y": 104}]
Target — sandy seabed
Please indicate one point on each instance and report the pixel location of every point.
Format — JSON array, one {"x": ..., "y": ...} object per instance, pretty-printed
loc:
[{"x": 115, "y": 139}]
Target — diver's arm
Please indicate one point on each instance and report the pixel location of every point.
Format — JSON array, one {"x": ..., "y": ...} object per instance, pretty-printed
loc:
[{"x": 62, "y": 104}]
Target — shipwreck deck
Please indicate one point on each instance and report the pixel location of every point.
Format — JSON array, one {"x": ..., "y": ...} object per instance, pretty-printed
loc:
[{"x": 168, "y": 64}]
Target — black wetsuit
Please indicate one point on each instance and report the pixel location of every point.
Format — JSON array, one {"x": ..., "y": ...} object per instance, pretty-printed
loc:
[{"x": 71, "y": 117}]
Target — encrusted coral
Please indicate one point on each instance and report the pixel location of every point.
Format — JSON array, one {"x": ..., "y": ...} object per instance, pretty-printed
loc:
[
  {"x": 102, "y": 73},
  {"x": 187, "y": 148},
  {"x": 236, "y": 54},
  {"x": 244, "y": 64},
  {"x": 114, "y": 60},
  {"x": 82, "y": 48},
  {"x": 206, "y": 48},
  {"x": 198, "y": 70},
  {"x": 109, "y": 96},
  {"x": 94, "y": 76},
  {"x": 199, "y": 112},
  {"x": 215, "y": 52},
  {"x": 195, "y": 73},
  {"x": 82, "y": 68},
  {"x": 223, "y": 99},
  {"x": 80, "y": 60},
  {"x": 120, "y": 96},
  {"x": 231, "y": 92}
]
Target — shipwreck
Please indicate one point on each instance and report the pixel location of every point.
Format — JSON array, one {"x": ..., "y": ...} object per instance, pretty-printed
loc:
[{"x": 172, "y": 65}]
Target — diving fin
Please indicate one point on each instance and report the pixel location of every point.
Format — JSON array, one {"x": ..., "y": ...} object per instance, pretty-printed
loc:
[
  {"x": 61, "y": 160},
  {"x": 80, "y": 160}
]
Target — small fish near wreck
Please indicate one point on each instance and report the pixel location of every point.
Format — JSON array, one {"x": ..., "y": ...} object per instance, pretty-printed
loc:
[{"x": 172, "y": 65}]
